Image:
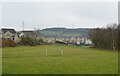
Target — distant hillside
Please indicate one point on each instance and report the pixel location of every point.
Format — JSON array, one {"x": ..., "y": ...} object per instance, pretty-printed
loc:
[{"x": 63, "y": 32}]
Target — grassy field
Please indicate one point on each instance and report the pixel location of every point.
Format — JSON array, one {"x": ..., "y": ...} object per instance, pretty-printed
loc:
[{"x": 76, "y": 60}]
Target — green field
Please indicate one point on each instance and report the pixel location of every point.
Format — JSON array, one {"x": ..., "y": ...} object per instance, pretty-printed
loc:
[{"x": 76, "y": 60}]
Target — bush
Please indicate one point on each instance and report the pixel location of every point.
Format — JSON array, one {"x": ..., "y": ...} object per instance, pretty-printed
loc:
[
  {"x": 26, "y": 40},
  {"x": 105, "y": 38},
  {"x": 7, "y": 43},
  {"x": 40, "y": 40},
  {"x": 45, "y": 43}
]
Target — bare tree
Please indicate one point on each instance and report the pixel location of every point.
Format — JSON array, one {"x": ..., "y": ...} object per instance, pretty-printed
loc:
[
  {"x": 37, "y": 33},
  {"x": 105, "y": 38}
]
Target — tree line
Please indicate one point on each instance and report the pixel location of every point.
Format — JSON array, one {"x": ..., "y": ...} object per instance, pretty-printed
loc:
[{"x": 106, "y": 38}]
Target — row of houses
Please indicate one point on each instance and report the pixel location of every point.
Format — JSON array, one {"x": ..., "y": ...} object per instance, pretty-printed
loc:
[
  {"x": 72, "y": 40},
  {"x": 16, "y": 36}
]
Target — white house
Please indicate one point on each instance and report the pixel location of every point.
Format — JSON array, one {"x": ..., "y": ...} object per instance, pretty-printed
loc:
[{"x": 88, "y": 41}]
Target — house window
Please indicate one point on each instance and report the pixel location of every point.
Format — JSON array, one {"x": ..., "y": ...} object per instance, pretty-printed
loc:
[
  {"x": 8, "y": 35},
  {"x": 13, "y": 38}
]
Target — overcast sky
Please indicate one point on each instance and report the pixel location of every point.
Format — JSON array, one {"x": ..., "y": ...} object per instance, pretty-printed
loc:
[{"x": 66, "y": 14}]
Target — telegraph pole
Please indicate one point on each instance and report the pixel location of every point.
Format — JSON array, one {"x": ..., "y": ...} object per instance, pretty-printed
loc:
[{"x": 23, "y": 25}]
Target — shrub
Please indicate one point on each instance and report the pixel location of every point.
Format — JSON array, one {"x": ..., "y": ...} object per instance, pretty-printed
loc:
[
  {"x": 26, "y": 40},
  {"x": 45, "y": 43},
  {"x": 7, "y": 43},
  {"x": 105, "y": 38},
  {"x": 39, "y": 41}
]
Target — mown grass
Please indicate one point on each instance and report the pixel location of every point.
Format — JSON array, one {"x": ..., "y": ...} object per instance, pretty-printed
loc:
[{"x": 76, "y": 60}]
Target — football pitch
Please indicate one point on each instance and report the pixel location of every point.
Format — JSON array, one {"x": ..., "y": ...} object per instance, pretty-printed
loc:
[{"x": 58, "y": 59}]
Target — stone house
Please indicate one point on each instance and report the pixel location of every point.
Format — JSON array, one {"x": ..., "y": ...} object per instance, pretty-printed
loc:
[
  {"x": 75, "y": 40},
  {"x": 50, "y": 39},
  {"x": 11, "y": 34}
]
